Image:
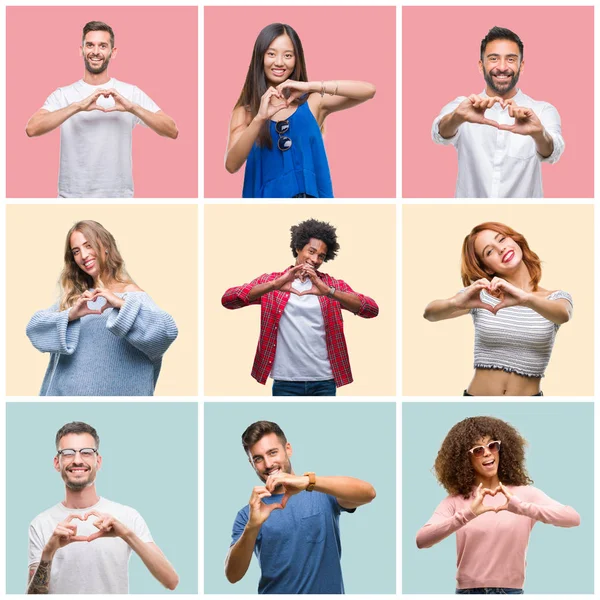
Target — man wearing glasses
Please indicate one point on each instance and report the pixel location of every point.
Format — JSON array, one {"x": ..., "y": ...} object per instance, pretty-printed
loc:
[
  {"x": 502, "y": 136},
  {"x": 291, "y": 521},
  {"x": 302, "y": 344},
  {"x": 82, "y": 545}
]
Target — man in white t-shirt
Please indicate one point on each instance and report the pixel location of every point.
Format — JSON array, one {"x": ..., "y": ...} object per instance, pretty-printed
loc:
[
  {"x": 83, "y": 544},
  {"x": 96, "y": 116}
]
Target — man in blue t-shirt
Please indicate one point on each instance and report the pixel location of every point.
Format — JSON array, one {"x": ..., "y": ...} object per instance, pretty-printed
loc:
[{"x": 291, "y": 522}]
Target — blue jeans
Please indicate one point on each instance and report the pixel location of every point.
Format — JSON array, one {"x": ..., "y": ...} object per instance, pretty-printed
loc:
[
  {"x": 304, "y": 388},
  {"x": 490, "y": 590}
]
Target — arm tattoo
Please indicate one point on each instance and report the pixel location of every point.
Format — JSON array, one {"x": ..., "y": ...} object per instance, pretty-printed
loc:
[{"x": 40, "y": 582}]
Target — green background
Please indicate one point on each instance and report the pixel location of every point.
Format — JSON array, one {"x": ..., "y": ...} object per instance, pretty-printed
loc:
[
  {"x": 560, "y": 460},
  {"x": 356, "y": 439},
  {"x": 150, "y": 462}
]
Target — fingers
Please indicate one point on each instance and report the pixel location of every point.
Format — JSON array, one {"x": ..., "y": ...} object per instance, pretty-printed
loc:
[
  {"x": 285, "y": 499},
  {"x": 93, "y": 513},
  {"x": 94, "y": 536},
  {"x": 491, "y": 122},
  {"x": 71, "y": 517},
  {"x": 274, "y": 506}
]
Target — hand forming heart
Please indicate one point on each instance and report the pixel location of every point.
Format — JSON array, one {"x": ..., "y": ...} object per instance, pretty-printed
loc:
[
  {"x": 508, "y": 294},
  {"x": 478, "y": 507},
  {"x": 106, "y": 100}
]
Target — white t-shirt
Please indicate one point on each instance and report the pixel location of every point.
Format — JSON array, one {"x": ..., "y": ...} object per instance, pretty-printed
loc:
[
  {"x": 98, "y": 567},
  {"x": 95, "y": 147},
  {"x": 301, "y": 353}
]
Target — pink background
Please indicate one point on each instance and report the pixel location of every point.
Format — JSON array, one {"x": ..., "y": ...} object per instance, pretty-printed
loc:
[
  {"x": 440, "y": 54},
  {"x": 339, "y": 43},
  {"x": 157, "y": 51}
]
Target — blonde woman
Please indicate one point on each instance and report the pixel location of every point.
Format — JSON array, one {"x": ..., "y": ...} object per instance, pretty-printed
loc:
[{"x": 105, "y": 335}]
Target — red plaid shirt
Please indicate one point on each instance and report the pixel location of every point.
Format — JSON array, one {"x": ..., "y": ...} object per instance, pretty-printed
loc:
[{"x": 272, "y": 307}]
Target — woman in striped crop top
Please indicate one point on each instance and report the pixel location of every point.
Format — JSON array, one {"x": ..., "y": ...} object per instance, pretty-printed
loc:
[
  {"x": 276, "y": 124},
  {"x": 492, "y": 506},
  {"x": 515, "y": 319}
]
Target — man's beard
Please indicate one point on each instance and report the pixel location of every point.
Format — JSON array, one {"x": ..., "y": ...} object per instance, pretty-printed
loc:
[
  {"x": 96, "y": 70},
  {"x": 77, "y": 486},
  {"x": 512, "y": 82}
]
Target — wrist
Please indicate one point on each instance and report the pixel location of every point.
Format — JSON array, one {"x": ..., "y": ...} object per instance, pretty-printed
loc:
[
  {"x": 252, "y": 528},
  {"x": 539, "y": 136},
  {"x": 260, "y": 119},
  {"x": 48, "y": 553},
  {"x": 528, "y": 300},
  {"x": 127, "y": 536},
  {"x": 455, "y": 120},
  {"x": 314, "y": 86}
]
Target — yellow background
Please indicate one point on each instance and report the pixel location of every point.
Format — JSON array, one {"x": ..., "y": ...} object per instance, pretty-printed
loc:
[
  {"x": 438, "y": 357},
  {"x": 243, "y": 242},
  {"x": 159, "y": 244}
]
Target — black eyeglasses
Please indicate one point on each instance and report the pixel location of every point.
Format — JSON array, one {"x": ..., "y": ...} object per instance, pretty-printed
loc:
[
  {"x": 282, "y": 127},
  {"x": 69, "y": 453},
  {"x": 493, "y": 447}
]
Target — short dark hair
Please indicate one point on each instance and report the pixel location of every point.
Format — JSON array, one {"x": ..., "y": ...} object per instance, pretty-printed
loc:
[
  {"x": 77, "y": 427},
  {"x": 258, "y": 430},
  {"x": 98, "y": 26},
  {"x": 311, "y": 228},
  {"x": 500, "y": 33}
]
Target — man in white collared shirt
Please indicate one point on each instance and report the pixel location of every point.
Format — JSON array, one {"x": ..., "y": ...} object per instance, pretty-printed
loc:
[{"x": 502, "y": 136}]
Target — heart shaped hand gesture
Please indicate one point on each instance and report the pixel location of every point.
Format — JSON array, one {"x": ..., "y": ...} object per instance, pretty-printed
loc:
[
  {"x": 472, "y": 109},
  {"x": 478, "y": 507},
  {"x": 291, "y": 484},
  {"x": 509, "y": 294},
  {"x": 471, "y": 296},
  {"x": 526, "y": 121},
  {"x": 292, "y": 90},
  {"x": 107, "y": 526},
  {"x": 271, "y": 102},
  {"x": 121, "y": 103},
  {"x": 64, "y": 534},
  {"x": 318, "y": 288},
  {"x": 259, "y": 511}
]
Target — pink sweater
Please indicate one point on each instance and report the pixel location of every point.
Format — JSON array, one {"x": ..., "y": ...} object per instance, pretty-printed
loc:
[{"x": 491, "y": 548}]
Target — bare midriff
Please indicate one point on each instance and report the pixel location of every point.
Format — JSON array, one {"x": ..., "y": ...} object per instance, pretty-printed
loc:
[{"x": 494, "y": 382}]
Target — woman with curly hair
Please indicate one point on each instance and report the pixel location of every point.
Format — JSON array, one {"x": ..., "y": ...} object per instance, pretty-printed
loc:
[
  {"x": 276, "y": 124},
  {"x": 492, "y": 506},
  {"x": 515, "y": 319},
  {"x": 105, "y": 336},
  {"x": 302, "y": 344}
]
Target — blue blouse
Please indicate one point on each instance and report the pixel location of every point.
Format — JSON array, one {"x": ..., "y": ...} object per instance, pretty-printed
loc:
[{"x": 271, "y": 173}]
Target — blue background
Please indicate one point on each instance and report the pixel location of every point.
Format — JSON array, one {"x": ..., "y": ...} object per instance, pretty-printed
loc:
[
  {"x": 560, "y": 460},
  {"x": 150, "y": 462}
]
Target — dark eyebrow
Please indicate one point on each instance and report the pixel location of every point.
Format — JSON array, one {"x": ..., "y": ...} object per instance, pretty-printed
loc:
[
  {"x": 267, "y": 452},
  {"x": 496, "y": 54}
]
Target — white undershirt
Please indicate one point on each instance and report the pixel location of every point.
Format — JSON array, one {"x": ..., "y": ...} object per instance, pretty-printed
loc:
[{"x": 301, "y": 353}]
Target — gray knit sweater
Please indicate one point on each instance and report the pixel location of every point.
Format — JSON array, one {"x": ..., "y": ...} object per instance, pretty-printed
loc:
[{"x": 117, "y": 353}]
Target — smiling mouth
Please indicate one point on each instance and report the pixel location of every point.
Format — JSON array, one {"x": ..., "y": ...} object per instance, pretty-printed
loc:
[
  {"x": 488, "y": 463},
  {"x": 508, "y": 256},
  {"x": 78, "y": 470},
  {"x": 89, "y": 264}
]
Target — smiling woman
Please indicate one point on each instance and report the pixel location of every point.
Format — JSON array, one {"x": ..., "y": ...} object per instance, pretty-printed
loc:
[
  {"x": 276, "y": 124},
  {"x": 105, "y": 335},
  {"x": 515, "y": 319},
  {"x": 492, "y": 506}
]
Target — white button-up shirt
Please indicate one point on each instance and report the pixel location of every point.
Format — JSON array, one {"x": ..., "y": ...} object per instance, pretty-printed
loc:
[{"x": 500, "y": 164}]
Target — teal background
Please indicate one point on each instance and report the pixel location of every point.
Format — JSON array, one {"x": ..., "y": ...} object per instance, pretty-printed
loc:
[
  {"x": 560, "y": 460},
  {"x": 150, "y": 462},
  {"x": 356, "y": 439}
]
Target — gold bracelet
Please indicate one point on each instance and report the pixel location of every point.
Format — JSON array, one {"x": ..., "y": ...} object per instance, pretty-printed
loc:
[
  {"x": 322, "y": 88},
  {"x": 337, "y": 84}
]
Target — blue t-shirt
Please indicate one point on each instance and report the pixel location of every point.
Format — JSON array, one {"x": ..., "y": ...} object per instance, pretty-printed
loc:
[
  {"x": 298, "y": 548},
  {"x": 303, "y": 169}
]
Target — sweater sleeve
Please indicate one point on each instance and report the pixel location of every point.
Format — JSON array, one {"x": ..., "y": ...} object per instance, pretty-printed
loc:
[
  {"x": 51, "y": 331},
  {"x": 141, "y": 323},
  {"x": 237, "y": 297},
  {"x": 444, "y": 522},
  {"x": 544, "y": 509}
]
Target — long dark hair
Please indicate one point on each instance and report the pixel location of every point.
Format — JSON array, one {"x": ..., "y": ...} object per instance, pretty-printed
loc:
[{"x": 256, "y": 82}]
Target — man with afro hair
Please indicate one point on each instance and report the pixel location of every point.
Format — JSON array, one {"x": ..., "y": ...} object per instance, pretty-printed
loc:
[{"x": 302, "y": 344}]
